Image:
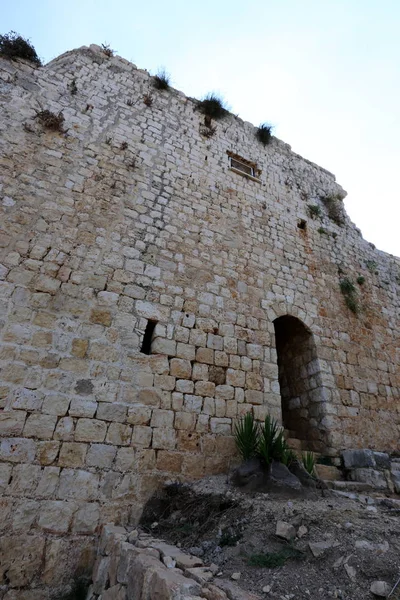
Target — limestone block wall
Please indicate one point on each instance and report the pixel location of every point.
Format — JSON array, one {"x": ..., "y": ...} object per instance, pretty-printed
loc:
[{"x": 132, "y": 214}]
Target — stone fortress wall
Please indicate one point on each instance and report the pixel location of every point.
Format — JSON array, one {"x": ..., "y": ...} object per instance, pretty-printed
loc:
[{"x": 135, "y": 216}]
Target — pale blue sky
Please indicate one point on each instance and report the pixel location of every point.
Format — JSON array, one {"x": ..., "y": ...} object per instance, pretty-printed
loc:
[{"x": 326, "y": 73}]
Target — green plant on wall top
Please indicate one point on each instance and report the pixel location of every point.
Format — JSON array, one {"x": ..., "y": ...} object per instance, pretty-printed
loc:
[
  {"x": 161, "y": 80},
  {"x": 264, "y": 133},
  {"x": 13, "y": 45},
  {"x": 360, "y": 280},
  {"x": 314, "y": 210},
  {"x": 334, "y": 206},
  {"x": 213, "y": 106},
  {"x": 371, "y": 265}
]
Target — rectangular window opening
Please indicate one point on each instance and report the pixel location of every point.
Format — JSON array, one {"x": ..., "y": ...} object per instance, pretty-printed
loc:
[
  {"x": 148, "y": 336},
  {"x": 241, "y": 166}
]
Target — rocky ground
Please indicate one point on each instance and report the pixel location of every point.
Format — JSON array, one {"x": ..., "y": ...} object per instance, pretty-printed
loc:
[{"x": 283, "y": 546}]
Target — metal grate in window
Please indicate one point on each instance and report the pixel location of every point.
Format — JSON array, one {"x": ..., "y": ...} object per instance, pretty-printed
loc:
[{"x": 241, "y": 166}]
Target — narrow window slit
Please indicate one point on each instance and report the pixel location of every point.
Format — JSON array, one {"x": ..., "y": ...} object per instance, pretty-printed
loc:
[
  {"x": 148, "y": 336},
  {"x": 302, "y": 224}
]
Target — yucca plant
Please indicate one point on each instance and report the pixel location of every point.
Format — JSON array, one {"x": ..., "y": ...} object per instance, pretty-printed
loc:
[
  {"x": 268, "y": 440},
  {"x": 309, "y": 460},
  {"x": 288, "y": 457},
  {"x": 247, "y": 437}
]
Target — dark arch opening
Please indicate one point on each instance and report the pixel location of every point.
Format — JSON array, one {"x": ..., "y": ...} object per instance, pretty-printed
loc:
[{"x": 299, "y": 382}]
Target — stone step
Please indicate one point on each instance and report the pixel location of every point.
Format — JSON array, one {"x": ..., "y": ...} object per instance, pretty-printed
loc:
[{"x": 349, "y": 486}]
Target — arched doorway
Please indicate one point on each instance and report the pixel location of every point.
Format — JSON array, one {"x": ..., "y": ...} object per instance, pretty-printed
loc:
[{"x": 300, "y": 383}]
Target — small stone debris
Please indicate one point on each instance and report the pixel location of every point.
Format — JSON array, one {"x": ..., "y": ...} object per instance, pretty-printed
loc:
[
  {"x": 169, "y": 562},
  {"x": 380, "y": 589},
  {"x": 318, "y": 548},
  {"x": 302, "y": 531},
  {"x": 351, "y": 572},
  {"x": 285, "y": 530},
  {"x": 236, "y": 576},
  {"x": 266, "y": 589}
]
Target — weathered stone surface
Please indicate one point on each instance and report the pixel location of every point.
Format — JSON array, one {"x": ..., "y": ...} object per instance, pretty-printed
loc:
[
  {"x": 90, "y": 252},
  {"x": 357, "y": 459},
  {"x": 372, "y": 477},
  {"x": 21, "y": 558},
  {"x": 55, "y": 516}
]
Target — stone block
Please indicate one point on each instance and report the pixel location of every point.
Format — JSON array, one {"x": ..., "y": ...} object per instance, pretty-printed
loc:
[
  {"x": 24, "y": 515},
  {"x": 22, "y": 558},
  {"x": 163, "y": 346},
  {"x": 185, "y": 420},
  {"x": 65, "y": 429},
  {"x": 358, "y": 459},
  {"x": 224, "y": 392},
  {"x": 186, "y": 351},
  {"x": 90, "y": 430},
  {"x": 119, "y": 434},
  {"x": 100, "y": 455},
  {"x": 164, "y": 439},
  {"x": 125, "y": 460},
  {"x": 180, "y": 368},
  {"x": 235, "y": 377},
  {"x": 149, "y": 397},
  {"x": 371, "y": 477},
  {"x": 86, "y": 518},
  {"x": 170, "y": 462},
  {"x": 25, "y": 399},
  {"x": 101, "y": 317},
  {"x": 72, "y": 454},
  {"x": 382, "y": 460},
  {"x": 200, "y": 372},
  {"x": 5, "y": 474},
  {"x": 55, "y": 516},
  {"x": 254, "y": 381},
  {"x": 139, "y": 415},
  {"x": 46, "y": 284},
  {"x": 79, "y": 347},
  {"x": 12, "y": 422},
  {"x": 221, "y": 425},
  {"x": 205, "y": 355},
  {"x": 78, "y": 484},
  {"x": 204, "y": 388},
  {"x": 193, "y": 403},
  {"x": 48, "y": 482},
  {"x": 56, "y": 405},
  {"x": 24, "y": 480},
  {"x": 80, "y": 407},
  {"x": 255, "y": 351},
  {"x": 47, "y": 452},
  {"x": 162, "y": 418},
  {"x": 142, "y": 436},
  {"x": 111, "y": 412},
  {"x": 17, "y": 450},
  {"x": 254, "y": 397}
]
